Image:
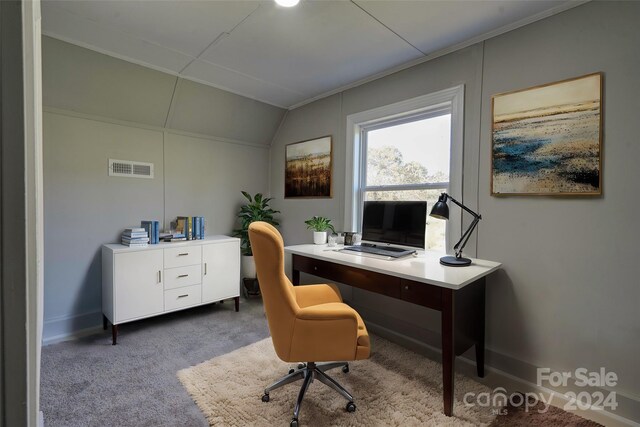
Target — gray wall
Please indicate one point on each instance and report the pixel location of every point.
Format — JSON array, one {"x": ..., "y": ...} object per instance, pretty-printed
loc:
[
  {"x": 80, "y": 80},
  {"x": 98, "y": 107},
  {"x": 567, "y": 295}
]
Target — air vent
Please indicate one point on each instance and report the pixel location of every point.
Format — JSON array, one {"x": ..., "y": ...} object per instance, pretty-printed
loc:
[{"x": 130, "y": 168}]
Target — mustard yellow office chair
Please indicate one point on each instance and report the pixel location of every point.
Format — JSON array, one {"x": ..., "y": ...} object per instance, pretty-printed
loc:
[{"x": 308, "y": 323}]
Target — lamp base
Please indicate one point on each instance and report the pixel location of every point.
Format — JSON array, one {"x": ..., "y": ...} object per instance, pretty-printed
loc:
[{"x": 452, "y": 261}]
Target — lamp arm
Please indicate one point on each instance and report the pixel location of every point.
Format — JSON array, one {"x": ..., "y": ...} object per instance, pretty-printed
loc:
[
  {"x": 475, "y": 215},
  {"x": 465, "y": 237}
]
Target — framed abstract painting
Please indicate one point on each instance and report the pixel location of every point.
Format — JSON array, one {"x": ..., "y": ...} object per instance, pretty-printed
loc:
[
  {"x": 308, "y": 169},
  {"x": 547, "y": 140}
]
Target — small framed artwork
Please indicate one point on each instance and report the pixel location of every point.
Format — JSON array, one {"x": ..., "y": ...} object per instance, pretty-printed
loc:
[
  {"x": 547, "y": 140},
  {"x": 308, "y": 168}
]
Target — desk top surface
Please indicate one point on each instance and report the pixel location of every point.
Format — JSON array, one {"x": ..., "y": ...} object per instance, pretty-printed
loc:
[{"x": 424, "y": 267}]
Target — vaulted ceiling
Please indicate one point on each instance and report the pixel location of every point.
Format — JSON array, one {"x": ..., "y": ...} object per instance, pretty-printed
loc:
[{"x": 284, "y": 56}]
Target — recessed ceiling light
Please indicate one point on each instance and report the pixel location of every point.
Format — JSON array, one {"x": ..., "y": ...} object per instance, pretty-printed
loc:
[{"x": 287, "y": 3}]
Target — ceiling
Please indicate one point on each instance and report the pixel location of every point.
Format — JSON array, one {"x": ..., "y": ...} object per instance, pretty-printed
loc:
[{"x": 284, "y": 56}]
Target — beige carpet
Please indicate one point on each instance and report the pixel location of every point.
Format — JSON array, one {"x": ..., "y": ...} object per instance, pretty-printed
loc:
[{"x": 395, "y": 387}]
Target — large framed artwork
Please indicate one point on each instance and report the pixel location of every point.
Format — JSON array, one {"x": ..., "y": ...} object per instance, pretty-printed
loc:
[
  {"x": 308, "y": 168},
  {"x": 547, "y": 140}
]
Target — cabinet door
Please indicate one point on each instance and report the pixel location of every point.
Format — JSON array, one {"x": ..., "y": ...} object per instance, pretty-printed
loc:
[
  {"x": 138, "y": 284},
  {"x": 220, "y": 271}
]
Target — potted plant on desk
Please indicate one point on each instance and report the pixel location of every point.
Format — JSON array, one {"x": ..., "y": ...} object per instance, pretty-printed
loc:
[
  {"x": 256, "y": 210},
  {"x": 319, "y": 225}
]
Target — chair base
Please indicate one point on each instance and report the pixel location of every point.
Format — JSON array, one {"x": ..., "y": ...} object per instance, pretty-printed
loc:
[{"x": 308, "y": 372}]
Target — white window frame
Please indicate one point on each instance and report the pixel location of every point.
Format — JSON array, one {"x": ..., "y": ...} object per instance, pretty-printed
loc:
[{"x": 451, "y": 100}]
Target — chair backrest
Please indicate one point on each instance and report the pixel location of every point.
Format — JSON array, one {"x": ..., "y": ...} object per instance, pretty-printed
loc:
[{"x": 277, "y": 291}]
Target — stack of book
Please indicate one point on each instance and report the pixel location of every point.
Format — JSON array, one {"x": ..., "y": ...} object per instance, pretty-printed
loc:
[
  {"x": 172, "y": 236},
  {"x": 198, "y": 227},
  {"x": 153, "y": 230},
  {"x": 191, "y": 226},
  {"x": 135, "y": 237}
]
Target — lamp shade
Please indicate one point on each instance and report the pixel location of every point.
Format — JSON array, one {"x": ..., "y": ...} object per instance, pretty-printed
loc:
[{"x": 440, "y": 209}]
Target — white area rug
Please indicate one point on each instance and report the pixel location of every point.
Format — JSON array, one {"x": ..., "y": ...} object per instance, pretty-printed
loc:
[{"x": 395, "y": 387}]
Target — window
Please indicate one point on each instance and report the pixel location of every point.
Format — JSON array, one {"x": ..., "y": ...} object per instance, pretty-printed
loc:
[
  {"x": 407, "y": 151},
  {"x": 408, "y": 159}
]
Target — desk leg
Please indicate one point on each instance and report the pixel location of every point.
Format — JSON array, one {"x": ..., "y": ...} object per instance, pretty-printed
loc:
[
  {"x": 480, "y": 332},
  {"x": 295, "y": 276},
  {"x": 448, "y": 352}
]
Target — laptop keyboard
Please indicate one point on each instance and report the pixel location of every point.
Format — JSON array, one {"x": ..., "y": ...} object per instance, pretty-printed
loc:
[{"x": 386, "y": 251}]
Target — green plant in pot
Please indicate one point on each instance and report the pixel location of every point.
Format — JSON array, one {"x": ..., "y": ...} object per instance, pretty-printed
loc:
[
  {"x": 257, "y": 209},
  {"x": 320, "y": 225}
]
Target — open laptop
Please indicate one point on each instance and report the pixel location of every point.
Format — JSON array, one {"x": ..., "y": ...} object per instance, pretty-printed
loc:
[{"x": 392, "y": 222}]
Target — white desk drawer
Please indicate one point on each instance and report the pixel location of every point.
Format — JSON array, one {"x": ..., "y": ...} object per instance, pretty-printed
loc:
[
  {"x": 182, "y": 297},
  {"x": 182, "y": 276},
  {"x": 182, "y": 256}
]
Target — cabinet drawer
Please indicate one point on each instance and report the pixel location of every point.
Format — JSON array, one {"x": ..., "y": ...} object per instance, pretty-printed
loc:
[
  {"x": 182, "y": 276},
  {"x": 182, "y": 297},
  {"x": 422, "y": 294},
  {"x": 182, "y": 256},
  {"x": 356, "y": 277}
]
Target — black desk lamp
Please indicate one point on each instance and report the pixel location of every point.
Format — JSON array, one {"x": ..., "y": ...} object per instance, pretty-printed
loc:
[{"x": 441, "y": 210}]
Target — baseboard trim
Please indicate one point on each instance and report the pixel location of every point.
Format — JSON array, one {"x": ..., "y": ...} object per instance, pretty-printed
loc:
[
  {"x": 64, "y": 328},
  {"x": 496, "y": 377}
]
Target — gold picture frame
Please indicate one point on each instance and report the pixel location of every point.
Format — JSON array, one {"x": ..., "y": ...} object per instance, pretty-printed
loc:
[
  {"x": 308, "y": 168},
  {"x": 547, "y": 139}
]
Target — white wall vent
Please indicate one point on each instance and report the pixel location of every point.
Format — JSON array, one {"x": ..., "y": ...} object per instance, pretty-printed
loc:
[{"x": 130, "y": 168}]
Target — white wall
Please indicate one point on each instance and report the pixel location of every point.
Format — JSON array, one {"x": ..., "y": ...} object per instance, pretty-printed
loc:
[{"x": 567, "y": 295}]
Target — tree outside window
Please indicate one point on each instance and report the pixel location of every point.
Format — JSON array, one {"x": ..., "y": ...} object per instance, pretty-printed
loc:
[{"x": 410, "y": 161}]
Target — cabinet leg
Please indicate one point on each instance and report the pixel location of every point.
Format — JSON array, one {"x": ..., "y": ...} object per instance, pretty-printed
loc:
[
  {"x": 114, "y": 334},
  {"x": 237, "y": 300},
  {"x": 105, "y": 322}
]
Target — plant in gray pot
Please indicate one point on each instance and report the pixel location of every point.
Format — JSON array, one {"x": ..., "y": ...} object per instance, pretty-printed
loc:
[
  {"x": 257, "y": 209},
  {"x": 320, "y": 225}
]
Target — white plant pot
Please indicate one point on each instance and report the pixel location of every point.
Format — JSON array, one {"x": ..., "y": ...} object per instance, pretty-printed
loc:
[
  {"x": 319, "y": 237},
  {"x": 248, "y": 267}
]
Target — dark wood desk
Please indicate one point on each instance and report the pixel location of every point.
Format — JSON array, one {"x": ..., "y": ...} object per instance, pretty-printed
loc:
[{"x": 457, "y": 292}]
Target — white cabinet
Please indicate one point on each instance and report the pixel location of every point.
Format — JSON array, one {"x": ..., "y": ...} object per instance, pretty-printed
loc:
[
  {"x": 144, "y": 282},
  {"x": 138, "y": 290},
  {"x": 220, "y": 272}
]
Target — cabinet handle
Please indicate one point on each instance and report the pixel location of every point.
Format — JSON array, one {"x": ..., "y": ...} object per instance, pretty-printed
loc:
[
  {"x": 159, "y": 276},
  {"x": 205, "y": 268},
  {"x": 183, "y": 275},
  {"x": 406, "y": 287},
  {"x": 184, "y": 254},
  {"x": 182, "y": 296},
  {"x": 315, "y": 268}
]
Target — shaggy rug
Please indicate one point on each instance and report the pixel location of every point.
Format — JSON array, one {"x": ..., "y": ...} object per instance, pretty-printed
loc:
[{"x": 395, "y": 387}]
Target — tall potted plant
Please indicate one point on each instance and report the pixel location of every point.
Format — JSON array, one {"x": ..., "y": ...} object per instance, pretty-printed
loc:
[
  {"x": 256, "y": 210},
  {"x": 319, "y": 225}
]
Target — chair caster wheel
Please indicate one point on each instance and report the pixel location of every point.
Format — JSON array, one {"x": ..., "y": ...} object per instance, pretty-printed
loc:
[
  {"x": 265, "y": 397},
  {"x": 345, "y": 369},
  {"x": 301, "y": 365},
  {"x": 294, "y": 423},
  {"x": 291, "y": 371},
  {"x": 351, "y": 407}
]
